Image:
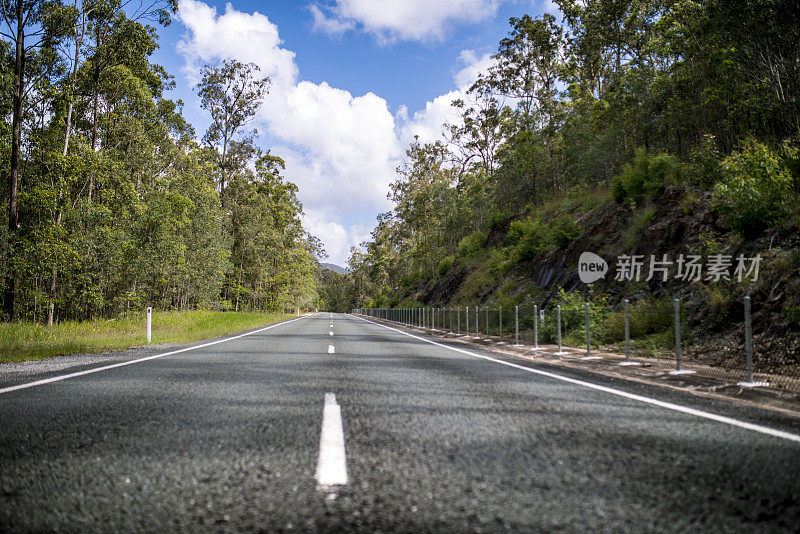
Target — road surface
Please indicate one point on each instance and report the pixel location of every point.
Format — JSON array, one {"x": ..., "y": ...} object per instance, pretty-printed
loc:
[{"x": 419, "y": 436}]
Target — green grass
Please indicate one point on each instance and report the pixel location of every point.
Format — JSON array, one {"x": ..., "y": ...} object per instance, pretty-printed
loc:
[{"x": 32, "y": 341}]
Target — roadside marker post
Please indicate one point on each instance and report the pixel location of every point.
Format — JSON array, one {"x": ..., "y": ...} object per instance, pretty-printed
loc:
[
  {"x": 535, "y": 327},
  {"x": 149, "y": 324},
  {"x": 588, "y": 346},
  {"x": 516, "y": 326},
  {"x": 501, "y": 324},
  {"x": 627, "y": 335},
  {"x": 748, "y": 340},
  {"x": 477, "y": 329},
  {"x": 558, "y": 328},
  {"x": 678, "y": 367}
]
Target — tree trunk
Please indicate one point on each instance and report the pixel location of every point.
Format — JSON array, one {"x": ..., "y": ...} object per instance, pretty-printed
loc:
[{"x": 13, "y": 176}]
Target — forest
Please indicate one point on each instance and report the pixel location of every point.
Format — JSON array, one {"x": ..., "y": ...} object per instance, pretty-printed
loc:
[
  {"x": 112, "y": 200},
  {"x": 621, "y": 110}
]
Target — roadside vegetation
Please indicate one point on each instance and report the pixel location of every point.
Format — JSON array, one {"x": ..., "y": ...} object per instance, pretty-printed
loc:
[
  {"x": 110, "y": 201},
  {"x": 641, "y": 127},
  {"x": 27, "y": 341}
]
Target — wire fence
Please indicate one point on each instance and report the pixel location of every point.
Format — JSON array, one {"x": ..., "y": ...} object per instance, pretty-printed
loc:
[{"x": 635, "y": 333}]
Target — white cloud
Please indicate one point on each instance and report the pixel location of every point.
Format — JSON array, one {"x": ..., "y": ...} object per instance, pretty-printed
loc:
[
  {"x": 339, "y": 239},
  {"x": 474, "y": 66},
  {"x": 549, "y": 6},
  {"x": 418, "y": 20},
  {"x": 428, "y": 123},
  {"x": 341, "y": 150},
  {"x": 246, "y": 37},
  {"x": 330, "y": 25}
]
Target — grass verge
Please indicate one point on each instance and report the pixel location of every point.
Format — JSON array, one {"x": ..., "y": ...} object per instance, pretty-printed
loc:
[{"x": 33, "y": 341}]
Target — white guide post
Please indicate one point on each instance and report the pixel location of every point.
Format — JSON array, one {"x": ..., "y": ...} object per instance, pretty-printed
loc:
[{"x": 149, "y": 324}]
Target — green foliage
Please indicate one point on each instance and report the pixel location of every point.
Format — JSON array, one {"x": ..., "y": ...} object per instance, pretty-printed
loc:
[
  {"x": 23, "y": 340},
  {"x": 792, "y": 315},
  {"x": 704, "y": 163},
  {"x": 640, "y": 219},
  {"x": 445, "y": 265},
  {"x": 564, "y": 231},
  {"x": 646, "y": 178},
  {"x": 756, "y": 191},
  {"x": 573, "y": 318},
  {"x": 120, "y": 207},
  {"x": 471, "y": 245},
  {"x": 527, "y": 238},
  {"x": 647, "y": 318}
]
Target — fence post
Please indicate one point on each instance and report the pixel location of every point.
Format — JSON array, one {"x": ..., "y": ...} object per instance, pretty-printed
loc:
[
  {"x": 678, "y": 364},
  {"x": 466, "y": 320},
  {"x": 627, "y": 331},
  {"x": 748, "y": 339},
  {"x": 501, "y": 324},
  {"x": 477, "y": 325},
  {"x": 678, "y": 334},
  {"x": 558, "y": 329},
  {"x": 516, "y": 326},
  {"x": 588, "y": 345},
  {"x": 149, "y": 323}
]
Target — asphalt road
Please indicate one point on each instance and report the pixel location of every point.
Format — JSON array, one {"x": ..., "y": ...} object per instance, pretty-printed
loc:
[{"x": 226, "y": 437}]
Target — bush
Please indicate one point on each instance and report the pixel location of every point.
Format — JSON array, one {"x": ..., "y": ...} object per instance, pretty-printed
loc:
[
  {"x": 573, "y": 319},
  {"x": 704, "y": 163},
  {"x": 646, "y": 177},
  {"x": 756, "y": 188},
  {"x": 526, "y": 238},
  {"x": 471, "y": 245},
  {"x": 565, "y": 230},
  {"x": 647, "y": 317},
  {"x": 445, "y": 265}
]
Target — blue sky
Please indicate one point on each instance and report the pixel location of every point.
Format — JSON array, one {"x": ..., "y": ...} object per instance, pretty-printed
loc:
[{"x": 353, "y": 82}]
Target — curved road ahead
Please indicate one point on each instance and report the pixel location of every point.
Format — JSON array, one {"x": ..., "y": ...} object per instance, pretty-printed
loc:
[{"x": 436, "y": 438}]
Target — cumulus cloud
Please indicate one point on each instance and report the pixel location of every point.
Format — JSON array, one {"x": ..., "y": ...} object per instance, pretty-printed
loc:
[
  {"x": 330, "y": 25},
  {"x": 427, "y": 124},
  {"x": 417, "y": 20},
  {"x": 216, "y": 37},
  {"x": 341, "y": 150},
  {"x": 474, "y": 66}
]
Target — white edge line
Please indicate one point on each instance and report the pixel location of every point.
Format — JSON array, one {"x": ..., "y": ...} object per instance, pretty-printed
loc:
[
  {"x": 668, "y": 405},
  {"x": 50, "y": 380}
]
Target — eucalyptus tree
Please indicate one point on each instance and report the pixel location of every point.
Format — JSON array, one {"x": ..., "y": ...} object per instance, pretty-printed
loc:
[{"x": 232, "y": 93}]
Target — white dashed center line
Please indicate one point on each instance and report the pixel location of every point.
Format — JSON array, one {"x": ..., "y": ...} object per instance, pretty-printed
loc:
[{"x": 332, "y": 464}]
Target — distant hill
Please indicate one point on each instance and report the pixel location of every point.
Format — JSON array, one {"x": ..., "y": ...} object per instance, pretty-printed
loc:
[{"x": 335, "y": 268}]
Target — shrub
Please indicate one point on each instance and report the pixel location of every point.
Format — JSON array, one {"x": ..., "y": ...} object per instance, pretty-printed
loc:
[
  {"x": 526, "y": 238},
  {"x": 445, "y": 265},
  {"x": 471, "y": 245},
  {"x": 704, "y": 163},
  {"x": 647, "y": 317},
  {"x": 565, "y": 230},
  {"x": 646, "y": 177},
  {"x": 755, "y": 190}
]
